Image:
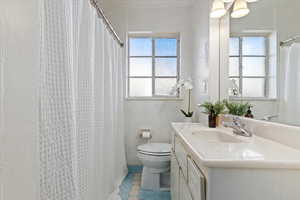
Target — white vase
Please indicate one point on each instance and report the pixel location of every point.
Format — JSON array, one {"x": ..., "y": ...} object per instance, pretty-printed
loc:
[{"x": 188, "y": 119}]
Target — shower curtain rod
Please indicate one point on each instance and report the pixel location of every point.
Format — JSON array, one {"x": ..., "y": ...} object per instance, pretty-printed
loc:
[
  {"x": 292, "y": 39},
  {"x": 107, "y": 22}
]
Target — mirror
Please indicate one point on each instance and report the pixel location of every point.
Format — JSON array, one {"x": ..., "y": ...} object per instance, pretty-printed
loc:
[{"x": 264, "y": 60}]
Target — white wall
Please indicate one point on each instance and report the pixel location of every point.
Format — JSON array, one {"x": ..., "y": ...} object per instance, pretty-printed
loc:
[
  {"x": 278, "y": 16},
  {"x": 210, "y": 44},
  {"x": 158, "y": 115},
  {"x": 200, "y": 60},
  {"x": 19, "y": 57}
]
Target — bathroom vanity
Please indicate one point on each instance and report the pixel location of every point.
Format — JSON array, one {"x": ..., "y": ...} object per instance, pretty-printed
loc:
[{"x": 215, "y": 164}]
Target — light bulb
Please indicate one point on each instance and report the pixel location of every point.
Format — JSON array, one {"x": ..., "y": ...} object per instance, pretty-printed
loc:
[
  {"x": 218, "y": 9},
  {"x": 240, "y": 9}
]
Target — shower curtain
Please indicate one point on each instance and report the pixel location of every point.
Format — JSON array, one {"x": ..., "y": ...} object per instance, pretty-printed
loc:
[
  {"x": 81, "y": 141},
  {"x": 289, "y": 104}
]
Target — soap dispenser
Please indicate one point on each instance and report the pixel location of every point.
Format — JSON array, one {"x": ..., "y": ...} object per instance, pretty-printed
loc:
[{"x": 249, "y": 113}]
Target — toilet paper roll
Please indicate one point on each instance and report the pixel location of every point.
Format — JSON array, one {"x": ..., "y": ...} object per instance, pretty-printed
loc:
[{"x": 146, "y": 135}]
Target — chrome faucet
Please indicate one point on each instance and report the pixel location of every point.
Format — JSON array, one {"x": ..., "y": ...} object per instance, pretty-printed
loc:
[{"x": 238, "y": 127}]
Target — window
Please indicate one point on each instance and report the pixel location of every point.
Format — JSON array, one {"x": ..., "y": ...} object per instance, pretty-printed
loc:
[
  {"x": 153, "y": 66},
  {"x": 248, "y": 66}
]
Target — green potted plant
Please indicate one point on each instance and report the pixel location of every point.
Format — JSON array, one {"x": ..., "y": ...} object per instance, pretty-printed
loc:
[
  {"x": 213, "y": 110},
  {"x": 239, "y": 109}
]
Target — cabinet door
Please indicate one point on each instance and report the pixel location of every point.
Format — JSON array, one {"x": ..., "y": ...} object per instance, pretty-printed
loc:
[
  {"x": 184, "y": 190},
  {"x": 196, "y": 181},
  {"x": 174, "y": 178},
  {"x": 181, "y": 156}
]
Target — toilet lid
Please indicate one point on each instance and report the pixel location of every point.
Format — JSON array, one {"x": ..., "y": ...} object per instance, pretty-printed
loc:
[{"x": 155, "y": 148}]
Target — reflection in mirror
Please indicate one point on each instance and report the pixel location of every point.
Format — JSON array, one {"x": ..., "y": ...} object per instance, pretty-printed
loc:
[{"x": 264, "y": 60}]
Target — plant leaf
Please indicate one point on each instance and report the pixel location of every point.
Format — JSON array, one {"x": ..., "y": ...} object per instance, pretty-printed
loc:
[
  {"x": 191, "y": 114},
  {"x": 239, "y": 109},
  {"x": 183, "y": 112},
  {"x": 187, "y": 114}
]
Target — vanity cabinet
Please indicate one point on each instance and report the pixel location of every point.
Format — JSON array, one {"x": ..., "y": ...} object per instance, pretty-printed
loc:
[
  {"x": 174, "y": 178},
  {"x": 184, "y": 191},
  {"x": 187, "y": 180},
  {"x": 181, "y": 156},
  {"x": 196, "y": 180},
  {"x": 215, "y": 164}
]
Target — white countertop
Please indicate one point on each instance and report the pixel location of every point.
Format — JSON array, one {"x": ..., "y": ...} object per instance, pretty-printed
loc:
[{"x": 254, "y": 152}]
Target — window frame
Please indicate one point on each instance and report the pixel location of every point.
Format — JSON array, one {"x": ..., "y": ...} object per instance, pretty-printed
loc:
[
  {"x": 266, "y": 36},
  {"x": 153, "y": 76}
]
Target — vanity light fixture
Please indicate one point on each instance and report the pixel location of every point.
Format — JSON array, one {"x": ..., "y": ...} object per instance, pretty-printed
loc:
[
  {"x": 218, "y": 9},
  {"x": 240, "y": 9}
]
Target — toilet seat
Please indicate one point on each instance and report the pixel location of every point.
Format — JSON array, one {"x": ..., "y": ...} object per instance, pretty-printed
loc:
[
  {"x": 155, "y": 149},
  {"x": 154, "y": 154}
]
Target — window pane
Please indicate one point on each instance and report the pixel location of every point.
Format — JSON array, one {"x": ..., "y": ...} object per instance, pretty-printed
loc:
[
  {"x": 166, "y": 47},
  {"x": 140, "y": 67},
  {"x": 140, "y": 47},
  {"x": 254, "y": 46},
  {"x": 166, "y": 66},
  {"x": 253, "y": 87},
  {"x": 164, "y": 86},
  {"x": 234, "y": 46},
  {"x": 254, "y": 66},
  {"x": 234, "y": 87},
  {"x": 234, "y": 66},
  {"x": 140, "y": 87}
]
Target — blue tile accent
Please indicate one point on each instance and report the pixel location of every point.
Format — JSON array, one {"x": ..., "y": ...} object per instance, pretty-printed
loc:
[
  {"x": 126, "y": 186},
  {"x": 153, "y": 195},
  {"x": 135, "y": 169}
]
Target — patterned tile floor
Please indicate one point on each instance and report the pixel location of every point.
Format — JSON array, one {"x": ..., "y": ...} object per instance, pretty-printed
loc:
[{"x": 131, "y": 187}]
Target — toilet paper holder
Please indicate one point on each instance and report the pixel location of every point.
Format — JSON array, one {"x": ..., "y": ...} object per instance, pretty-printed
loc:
[{"x": 145, "y": 134}]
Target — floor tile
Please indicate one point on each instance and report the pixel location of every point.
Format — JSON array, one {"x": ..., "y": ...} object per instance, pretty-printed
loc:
[{"x": 130, "y": 188}]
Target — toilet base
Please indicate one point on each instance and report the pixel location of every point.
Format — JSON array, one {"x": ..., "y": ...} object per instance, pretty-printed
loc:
[{"x": 154, "y": 179}]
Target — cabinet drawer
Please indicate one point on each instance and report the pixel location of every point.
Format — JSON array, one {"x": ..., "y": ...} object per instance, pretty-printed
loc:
[
  {"x": 174, "y": 178},
  {"x": 181, "y": 156},
  {"x": 196, "y": 181},
  {"x": 184, "y": 190}
]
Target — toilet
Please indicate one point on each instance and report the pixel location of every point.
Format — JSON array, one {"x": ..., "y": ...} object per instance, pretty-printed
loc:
[{"x": 155, "y": 158}]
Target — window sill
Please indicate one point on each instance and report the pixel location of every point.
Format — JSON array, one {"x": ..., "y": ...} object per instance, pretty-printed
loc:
[
  {"x": 251, "y": 99},
  {"x": 153, "y": 99}
]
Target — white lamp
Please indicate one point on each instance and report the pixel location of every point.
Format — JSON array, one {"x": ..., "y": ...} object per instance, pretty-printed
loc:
[
  {"x": 240, "y": 9},
  {"x": 228, "y": 1},
  {"x": 218, "y": 9}
]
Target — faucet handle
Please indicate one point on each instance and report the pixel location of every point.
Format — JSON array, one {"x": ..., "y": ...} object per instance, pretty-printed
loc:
[{"x": 236, "y": 120}]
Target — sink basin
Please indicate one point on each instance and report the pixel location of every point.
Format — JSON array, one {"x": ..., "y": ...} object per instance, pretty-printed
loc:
[{"x": 215, "y": 136}]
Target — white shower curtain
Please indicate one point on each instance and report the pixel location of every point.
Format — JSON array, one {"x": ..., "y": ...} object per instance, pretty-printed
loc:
[
  {"x": 82, "y": 150},
  {"x": 289, "y": 104}
]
